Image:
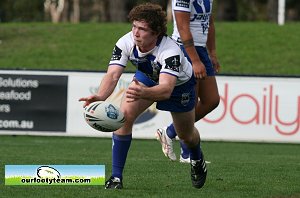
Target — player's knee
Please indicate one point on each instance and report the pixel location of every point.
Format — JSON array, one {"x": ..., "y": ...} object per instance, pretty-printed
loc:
[
  {"x": 205, "y": 108},
  {"x": 190, "y": 140},
  {"x": 184, "y": 137},
  {"x": 129, "y": 118},
  {"x": 212, "y": 104},
  {"x": 215, "y": 102}
]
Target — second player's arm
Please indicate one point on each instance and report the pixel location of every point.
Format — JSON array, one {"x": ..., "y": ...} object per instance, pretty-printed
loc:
[
  {"x": 211, "y": 44},
  {"x": 183, "y": 26}
]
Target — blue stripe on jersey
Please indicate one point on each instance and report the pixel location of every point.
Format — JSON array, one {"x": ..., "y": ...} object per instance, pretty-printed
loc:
[
  {"x": 147, "y": 65},
  {"x": 141, "y": 77},
  {"x": 207, "y": 5},
  {"x": 197, "y": 7},
  {"x": 144, "y": 63}
]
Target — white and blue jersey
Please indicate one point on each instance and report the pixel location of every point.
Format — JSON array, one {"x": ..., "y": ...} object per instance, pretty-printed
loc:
[
  {"x": 165, "y": 57},
  {"x": 200, "y": 11}
]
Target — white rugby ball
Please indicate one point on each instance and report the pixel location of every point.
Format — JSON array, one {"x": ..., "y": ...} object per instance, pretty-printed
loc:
[{"x": 104, "y": 116}]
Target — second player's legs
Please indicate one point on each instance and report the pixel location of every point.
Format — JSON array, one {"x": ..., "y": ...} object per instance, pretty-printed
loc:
[
  {"x": 184, "y": 125},
  {"x": 208, "y": 96}
]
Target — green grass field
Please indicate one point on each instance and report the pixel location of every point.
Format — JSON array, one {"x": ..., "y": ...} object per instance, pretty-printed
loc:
[
  {"x": 243, "y": 48},
  {"x": 236, "y": 169}
]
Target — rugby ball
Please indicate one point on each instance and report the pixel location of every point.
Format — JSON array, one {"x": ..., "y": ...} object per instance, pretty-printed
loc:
[{"x": 104, "y": 116}]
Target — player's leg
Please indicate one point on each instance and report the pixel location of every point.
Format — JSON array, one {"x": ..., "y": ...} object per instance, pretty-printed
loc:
[
  {"x": 182, "y": 100},
  {"x": 184, "y": 153},
  {"x": 208, "y": 95},
  {"x": 184, "y": 124},
  {"x": 122, "y": 140},
  {"x": 184, "y": 150},
  {"x": 207, "y": 89}
]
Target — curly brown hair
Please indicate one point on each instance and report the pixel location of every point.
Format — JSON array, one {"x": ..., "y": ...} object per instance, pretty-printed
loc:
[{"x": 153, "y": 14}]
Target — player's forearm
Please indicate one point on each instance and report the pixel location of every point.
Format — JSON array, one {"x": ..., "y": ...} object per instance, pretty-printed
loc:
[
  {"x": 211, "y": 44},
  {"x": 211, "y": 38},
  {"x": 108, "y": 83},
  {"x": 188, "y": 44},
  {"x": 157, "y": 93},
  {"x": 183, "y": 26},
  {"x": 163, "y": 90},
  {"x": 107, "y": 86}
]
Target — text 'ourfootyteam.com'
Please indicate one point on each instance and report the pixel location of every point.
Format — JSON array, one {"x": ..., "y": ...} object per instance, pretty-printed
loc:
[{"x": 54, "y": 181}]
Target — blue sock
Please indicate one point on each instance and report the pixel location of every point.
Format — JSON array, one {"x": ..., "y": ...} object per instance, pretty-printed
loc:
[
  {"x": 195, "y": 152},
  {"x": 121, "y": 145},
  {"x": 185, "y": 152},
  {"x": 171, "y": 132}
]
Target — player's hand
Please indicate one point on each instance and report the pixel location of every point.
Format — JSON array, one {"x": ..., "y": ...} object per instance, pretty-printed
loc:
[
  {"x": 199, "y": 70},
  {"x": 215, "y": 63},
  {"x": 88, "y": 100},
  {"x": 134, "y": 91}
]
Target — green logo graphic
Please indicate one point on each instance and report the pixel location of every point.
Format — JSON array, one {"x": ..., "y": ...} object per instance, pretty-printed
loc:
[{"x": 54, "y": 175}]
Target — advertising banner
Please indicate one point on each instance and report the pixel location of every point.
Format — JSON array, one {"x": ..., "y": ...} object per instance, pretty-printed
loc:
[
  {"x": 33, "y": 102},
  {"x": 250, "y": 109},
  {"x": 253, "y": 109}
]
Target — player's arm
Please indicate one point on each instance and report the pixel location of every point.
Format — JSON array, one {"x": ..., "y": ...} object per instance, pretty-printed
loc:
[
  {"x": 162, "y": 91},
  {"x": 107, "y": 85},
  {"x": 109, "y": 81},
  {"x": 183, "y": 26},
  {"x": 211, "y": 44}
]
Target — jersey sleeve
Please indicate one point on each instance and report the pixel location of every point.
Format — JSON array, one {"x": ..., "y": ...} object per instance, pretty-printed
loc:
[
  {"x": 120, "y": 54},
  {"x": 171, "y": 62},
  {"x": 182, "y": 5}
]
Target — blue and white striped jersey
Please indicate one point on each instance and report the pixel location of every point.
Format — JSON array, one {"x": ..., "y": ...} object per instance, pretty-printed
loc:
[
  {"x": 165, "y": 57},
  {"x": 200, "y": 11}
]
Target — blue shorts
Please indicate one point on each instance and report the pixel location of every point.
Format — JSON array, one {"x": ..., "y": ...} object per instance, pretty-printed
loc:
[
  {"x": 204, "y": 57},
  {"x": 182, "y": 98}
]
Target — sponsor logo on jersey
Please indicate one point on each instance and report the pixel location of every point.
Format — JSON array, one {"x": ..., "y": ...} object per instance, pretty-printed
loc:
[
  {"x": 182, "y": 3},
  {"x": 117, "y": 53},
  {"x": 173, "y": 63},
  {"x": 201, "y": 17}
]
